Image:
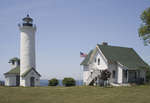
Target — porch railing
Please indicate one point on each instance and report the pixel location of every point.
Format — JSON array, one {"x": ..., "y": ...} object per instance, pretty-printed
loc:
[{"x": 94, "y": 73}]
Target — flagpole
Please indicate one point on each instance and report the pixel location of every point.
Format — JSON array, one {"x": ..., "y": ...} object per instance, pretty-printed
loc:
[
  {"x": 81, "y": 75},
  {"x": 80, "y": 70},
  {"x": 82, "y": 55}
]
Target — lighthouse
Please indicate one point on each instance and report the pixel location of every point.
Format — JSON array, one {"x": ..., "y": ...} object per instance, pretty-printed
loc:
[
  {"x": 28, "y": 74},
  {"x": 23, "y": 70}
]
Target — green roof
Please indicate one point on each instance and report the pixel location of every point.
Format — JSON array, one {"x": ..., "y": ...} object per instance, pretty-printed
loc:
[
  {"x": 14, "y": 59},
  {"x": 125, "y": 56},
  {"x": 25, "y": 73},
  {"x": 87, "y": 58},
  {"x": 17, "y": 71},
  {"x": 14, "y": 71}
]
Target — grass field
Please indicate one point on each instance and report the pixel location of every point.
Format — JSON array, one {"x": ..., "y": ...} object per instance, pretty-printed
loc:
[{"x": 136, "y": 94}]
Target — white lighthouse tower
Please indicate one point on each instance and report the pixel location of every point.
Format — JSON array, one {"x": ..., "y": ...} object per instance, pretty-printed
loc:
[{"x": 28, "y": 74}]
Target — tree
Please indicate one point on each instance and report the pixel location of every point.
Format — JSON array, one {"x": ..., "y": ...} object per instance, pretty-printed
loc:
[
  {"x": 105, "y": 75},
  {"x": 144, "y": 30},
  {"x": 69, "y": 82},
  {"x": 53, "y": 82}
]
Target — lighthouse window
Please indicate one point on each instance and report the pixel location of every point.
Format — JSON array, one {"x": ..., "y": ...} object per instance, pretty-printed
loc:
[{"x": 98, "y": 61}]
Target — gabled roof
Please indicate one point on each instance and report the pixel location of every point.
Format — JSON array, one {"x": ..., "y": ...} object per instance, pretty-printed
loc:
[
  {"x": 17, "y": 71},
  {"x": 14, "y": 71},
  {"x": 125, "y": 56},
  {"x": 28, "y": 71},
  {"x": 14, "y": 59}
]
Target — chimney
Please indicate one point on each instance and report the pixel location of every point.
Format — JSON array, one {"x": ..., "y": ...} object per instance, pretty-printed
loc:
[{"x": 104, "y": 43}]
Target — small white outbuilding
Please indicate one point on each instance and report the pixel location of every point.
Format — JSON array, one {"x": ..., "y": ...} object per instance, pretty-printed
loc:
[{"x": 29, "y": 78}]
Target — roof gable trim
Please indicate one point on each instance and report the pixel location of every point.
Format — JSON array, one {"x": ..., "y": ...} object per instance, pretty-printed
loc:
[
  {"x": 28, "y": 71},
  {"x": 105, "y": 59}
]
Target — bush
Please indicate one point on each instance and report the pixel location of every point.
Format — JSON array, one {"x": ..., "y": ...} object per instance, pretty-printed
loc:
[
  {"x": 53, "y": 82},
  {"x": 105, "y": 75},
  {"x": 69, "y": 82}
]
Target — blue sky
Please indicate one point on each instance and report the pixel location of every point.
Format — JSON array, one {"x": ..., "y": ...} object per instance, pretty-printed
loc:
[{"x": 66, "y": 27}]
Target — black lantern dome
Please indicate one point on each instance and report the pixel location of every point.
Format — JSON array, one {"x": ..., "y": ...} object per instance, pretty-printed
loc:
[{"x": 27, "y": 21}]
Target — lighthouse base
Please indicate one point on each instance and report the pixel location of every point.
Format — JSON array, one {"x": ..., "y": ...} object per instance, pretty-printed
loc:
[{"x": 30, "y": 78}]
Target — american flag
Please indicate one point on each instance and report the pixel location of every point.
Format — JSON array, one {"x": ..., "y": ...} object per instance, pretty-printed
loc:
[{"x": 82, "y": 54}]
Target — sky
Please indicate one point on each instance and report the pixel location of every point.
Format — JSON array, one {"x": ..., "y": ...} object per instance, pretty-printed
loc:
[{"x": 66, "y": 27}]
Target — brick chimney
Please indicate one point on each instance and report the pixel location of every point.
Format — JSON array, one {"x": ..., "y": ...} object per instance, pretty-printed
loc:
[{"x": 104, "y": 43}]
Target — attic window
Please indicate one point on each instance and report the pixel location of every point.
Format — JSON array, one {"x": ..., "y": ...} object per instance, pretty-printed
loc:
[{"x": 98, "y": 61}]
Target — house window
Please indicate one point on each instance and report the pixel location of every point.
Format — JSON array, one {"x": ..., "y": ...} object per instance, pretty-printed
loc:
[
  {"x": 114, "y": 74},
  {"x": 125, "y": 74},
  {"x": 95, "y": 60},
  {"x": 98, "y": 61},
  {"x": 135, "y": 75}
]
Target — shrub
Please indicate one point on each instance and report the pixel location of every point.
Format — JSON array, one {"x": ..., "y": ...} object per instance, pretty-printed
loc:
[
  {"x": 69, "y": 82},
  {"x": 105, "y": 75},
  {"x": 53, "y": 82}
]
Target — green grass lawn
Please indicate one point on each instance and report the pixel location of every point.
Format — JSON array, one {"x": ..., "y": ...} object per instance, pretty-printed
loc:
[{"x": 135, "y": 94}]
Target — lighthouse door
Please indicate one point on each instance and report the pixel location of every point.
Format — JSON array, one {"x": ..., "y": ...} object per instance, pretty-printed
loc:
[
  {"x": 32, "y": 83},
  {"x": 17, "y": 80}
]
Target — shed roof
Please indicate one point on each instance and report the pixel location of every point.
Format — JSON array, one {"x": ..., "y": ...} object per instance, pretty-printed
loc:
[{"x": 14, "y": 71}]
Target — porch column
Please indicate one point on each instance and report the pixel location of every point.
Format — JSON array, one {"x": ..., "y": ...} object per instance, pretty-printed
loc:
[
  {"x": 120, "y": 75},
  {"x": 137, "y": 74},
  {"x": 127, "y": 76}
]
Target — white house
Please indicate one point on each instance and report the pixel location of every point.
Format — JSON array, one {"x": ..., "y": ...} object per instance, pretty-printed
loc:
[
  {"x": 124, "y": 64},
  {"x": 23, "y": 71}
]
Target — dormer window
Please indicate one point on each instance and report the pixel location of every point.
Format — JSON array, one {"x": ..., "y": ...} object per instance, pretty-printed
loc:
[{"x": 98, "y": 61}]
